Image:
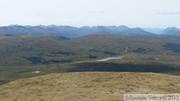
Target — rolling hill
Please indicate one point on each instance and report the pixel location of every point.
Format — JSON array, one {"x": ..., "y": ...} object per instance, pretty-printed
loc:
[
  {"x": 30, "y": 50},
  {"x": 88, "y": 86},
  {"x": 23, "y": 55}
]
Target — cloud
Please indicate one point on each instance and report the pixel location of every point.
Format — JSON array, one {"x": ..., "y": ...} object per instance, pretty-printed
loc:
[{"x": 169, "y": 13}]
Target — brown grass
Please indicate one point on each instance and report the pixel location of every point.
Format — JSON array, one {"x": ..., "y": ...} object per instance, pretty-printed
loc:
[{"x": 88, "y": 86}]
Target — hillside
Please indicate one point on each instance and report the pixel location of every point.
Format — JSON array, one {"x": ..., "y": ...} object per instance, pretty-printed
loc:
[
  {"x": 21, "y": 56},
  {"x": 33, "y": 50},
  {"x": 89, "y": 86},
  {"x": 18, "y": 50}
]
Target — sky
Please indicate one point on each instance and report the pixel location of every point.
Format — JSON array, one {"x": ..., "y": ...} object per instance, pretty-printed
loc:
[{"x": 132, "y": 13}]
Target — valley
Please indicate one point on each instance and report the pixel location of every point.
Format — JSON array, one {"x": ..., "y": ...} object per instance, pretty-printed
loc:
[
  {"x": 22, "y": 55},
  {"x": 89, "y": 50},
  {"x": 145, "y": 59},
  {"x": 35, "y": 50}
]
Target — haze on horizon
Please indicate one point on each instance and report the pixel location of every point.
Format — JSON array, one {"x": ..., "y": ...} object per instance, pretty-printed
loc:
[{"x": 132, "y": 13}]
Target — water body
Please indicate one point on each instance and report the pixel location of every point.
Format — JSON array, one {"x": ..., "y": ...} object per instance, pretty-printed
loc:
[
  {"x": 109, "y": 58},
  {"x": 36, "y": 72}
]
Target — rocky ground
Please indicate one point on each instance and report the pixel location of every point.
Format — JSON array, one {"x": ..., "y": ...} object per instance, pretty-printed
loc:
[{"x": 88, "y": 86}]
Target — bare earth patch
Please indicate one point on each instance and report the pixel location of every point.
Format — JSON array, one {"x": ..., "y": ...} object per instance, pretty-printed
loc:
[{"x": 88, "y": 86}]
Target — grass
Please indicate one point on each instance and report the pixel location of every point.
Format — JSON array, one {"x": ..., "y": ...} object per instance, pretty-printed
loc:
[{"x": 91, "y": 85}]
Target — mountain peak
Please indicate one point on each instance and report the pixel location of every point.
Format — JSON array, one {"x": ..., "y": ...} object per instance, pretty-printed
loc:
[
  {"x": 171, "y": 28},
  {"x": 171, "y": 31}
]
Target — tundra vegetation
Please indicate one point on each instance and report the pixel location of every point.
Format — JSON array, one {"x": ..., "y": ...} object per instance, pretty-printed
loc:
[{"x": 22, "y": 55}]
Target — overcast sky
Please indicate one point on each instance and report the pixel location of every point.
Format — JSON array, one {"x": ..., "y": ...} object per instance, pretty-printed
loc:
[{"x": 132, "y": 13}]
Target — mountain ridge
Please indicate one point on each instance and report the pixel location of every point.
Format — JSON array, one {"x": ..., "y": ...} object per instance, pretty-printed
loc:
[{"x": 70, "y": 31}]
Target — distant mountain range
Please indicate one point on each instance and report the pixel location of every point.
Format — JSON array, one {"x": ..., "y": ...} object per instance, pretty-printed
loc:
[{"x": 69, "y": 31}]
